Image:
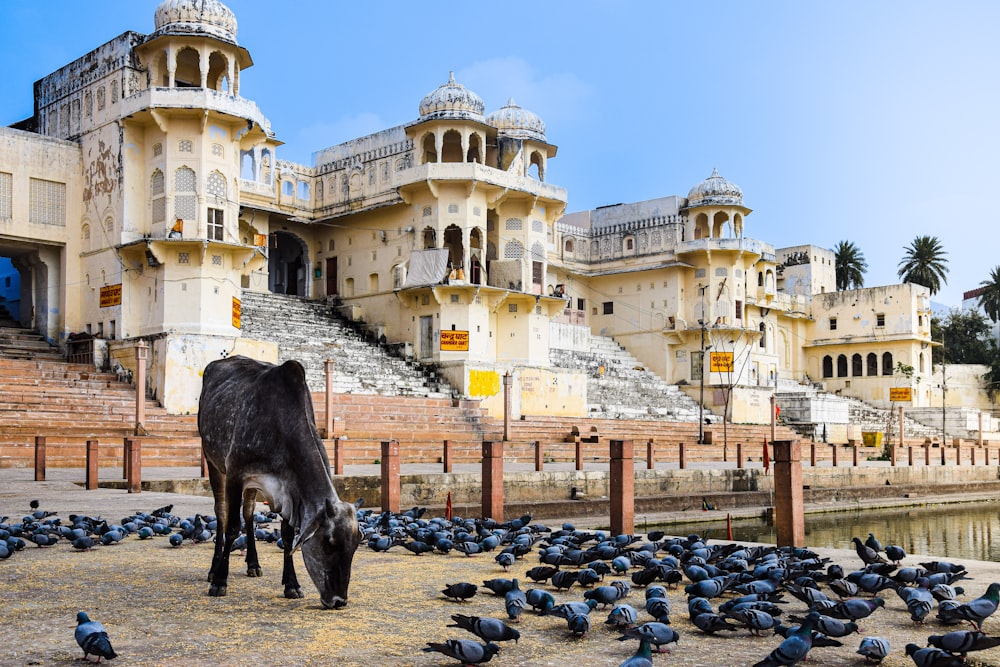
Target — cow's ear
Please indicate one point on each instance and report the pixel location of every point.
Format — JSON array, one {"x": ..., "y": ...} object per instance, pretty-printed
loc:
[{"x": 307, "y": 532}]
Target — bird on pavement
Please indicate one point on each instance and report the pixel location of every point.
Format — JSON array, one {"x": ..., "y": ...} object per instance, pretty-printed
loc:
[
  {"x": 975, "y": 611},
  {"x": 874, "y": 649},
  {"x": 656, "y": 633},
  {"x": 461, "y": 591},
  {"x": 932, "y": 657},
  {"x": 643, "y": 657},
  {"x": 93, "y": 638},
  {"x": 795, "y": 647},
  {"x": 963, "y": 641},
  {"x": 866, "y": 553},
  {"x": 487, "y": 629},
  {"x": 467, "y": 651}
]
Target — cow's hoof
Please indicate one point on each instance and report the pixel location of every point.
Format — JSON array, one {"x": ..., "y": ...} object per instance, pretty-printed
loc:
[
  {"x": 254, "y": 571},
  {"x": 217, "y": 591},
  {"x": 293, "y": 592},
  {"x": 211, "y": 576},
  {"x": 335, "y": 603}
]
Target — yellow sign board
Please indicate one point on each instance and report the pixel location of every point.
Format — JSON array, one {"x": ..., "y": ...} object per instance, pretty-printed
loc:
[
  {"x": 111, "y": 295},
  {"x": 899, "y": 394},
  {"x": 720, "y": 362},
  {"x": 237, "y": 313},
  {"x": 454, "y": 341}
]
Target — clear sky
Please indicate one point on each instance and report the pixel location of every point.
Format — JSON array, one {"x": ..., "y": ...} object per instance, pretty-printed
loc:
[{"x": 872, "y": 122}]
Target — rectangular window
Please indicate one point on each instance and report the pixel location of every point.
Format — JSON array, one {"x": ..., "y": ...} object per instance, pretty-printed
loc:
[
  {"x": 880, "y": 319},
  {"x": 536, "y": 273},
  {"x": 581, "y": 304},
  {"x": 833, "y": 324},
  {"x": 739, "y": 309},
  {"x": 609, "y": 307},
  {"x": 215, "y": 226},
  {"x": 6, "y": 196},
  {"x": 47, "y": 203}
]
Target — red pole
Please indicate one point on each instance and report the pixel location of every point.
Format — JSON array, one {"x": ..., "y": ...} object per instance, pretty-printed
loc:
[
  {"x": 539, "y": 456},
  {"x": 650, "y": 455},
  {"x": 446, "y": 456},
  {"x": 390, "y": 475},
  {"x": 338, "y": 456},
  {"x": 729, "y": 526},
  {"x": 493, "y": 480},
  {"x": 682, "y": 457},
  {"x": 135, "y": 466},
  {"x": 91, "y": 465},
  {"x": 39, "y": 458},
  {"x": 622, "y": 487}
]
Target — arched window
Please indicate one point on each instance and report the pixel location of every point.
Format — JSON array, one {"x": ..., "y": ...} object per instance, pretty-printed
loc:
[
  {"x": 568, "y": 246},
  {"x": 216, "y": 186},
  {"x": 513, "y": 250},
  {"x": 887, "y": 363},
  {"x": 872, "y": 363},
  {"x": 841, "y": 365},
  {"x": 303, "y": 190},
  {"x": 218, "y": 70},
  {"x": 188, "y": 72},
  {"x": 185, "y": 199},
  {"x": 828, "y": 366},
  {"x": 856, "y": 365},
  {"x": 451, "y": 148},
  {"x": 372, "y": 283},
  {"x": 430, "y": 148},
  {"x": 430, "y": 238},
  {"x": 921, "y": 362},
  {"x": 157, "y": 196},
  {"x": 288, "y": 188},
  {"x": 760, "y": 279},
  {"x": 763, "y": 335}
]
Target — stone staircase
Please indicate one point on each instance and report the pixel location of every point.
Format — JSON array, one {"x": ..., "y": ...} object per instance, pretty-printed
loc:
[
  {"x": 17, "y": 342},
  {"x": 619, "y": 386},
  {"x": 311, "y": 332}
]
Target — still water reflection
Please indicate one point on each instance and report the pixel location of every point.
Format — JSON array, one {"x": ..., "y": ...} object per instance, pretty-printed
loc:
[{"x": 965, "y": 530}]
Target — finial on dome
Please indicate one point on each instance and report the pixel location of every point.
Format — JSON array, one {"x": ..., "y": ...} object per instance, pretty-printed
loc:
[
  {"x": 511, "y": 102},
  {"x": 715, "y": 173},
  {"x": 451, "y": 76}
]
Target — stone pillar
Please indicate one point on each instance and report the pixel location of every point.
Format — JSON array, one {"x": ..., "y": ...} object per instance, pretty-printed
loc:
[
  {"x": 944, "y": 453},
  {"x": 507, "y": 381},
  {"x": 833, "y": 449},
  {"x": 972, "y": 455},
  {"x": 979, "y": 436},
  {"x": 909, "y": 456},
  {"x": 338, "y": 456},
  {"x": 126, "y": 450},
  {"x": 578, "y": 447},
  {"x": 927, "y": 454},
  {"x": 622, "y": 487},
  {"x": 141, "y": 355},
  {"x": 739, "y": 455},
  {"x": 682, "y": 456},
  {"x": 789, "y": 517},
  {"x": 812, "y": 454},
  {"x": 901, "y": 430},
  {"x": 91, "y": 465},
  {"x": 493, "y": 480},
  {"x": 892, "y": 455},
  {"x": 539, "y": 456},
  {"x": 854, "y": 456},
  {"x": 650, "y": 455},
  {"x": 39, "y": 458},
  {"x": 133, "y": 451},
  {"x": 446, "y": 456},
  {"x": 390, "y": 475},
  {"x": 328, "y": 398}
]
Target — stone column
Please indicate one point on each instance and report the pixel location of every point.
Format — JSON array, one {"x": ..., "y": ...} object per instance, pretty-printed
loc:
[
  {"x": 390, "y": 475},
  {"x": 507, "y": 381},
  {"x": 539, "y": 456},
  {"x": 91, "y": 465},
  {"x": 739, "y": 455},
  {"x": 338, "y": 456},
  {"x": 812, "y": 454},
  {"x": 446, "y": 456},
  {"x": 328, "y": 398},
  {"x": 789, "y": 517},
  {"x": 909, "y": 456},
  {"x": 39, "y": 458},
  {"x": 979, "y": 436},
  {"x": 902, "y": 431},
  {"x": 133, "y": 451},
  {"x": 578, "y": 451},
  {"x": 650, "y": 455},
  {"x": 141, "y": 355},
  {"x": 493, "y": 480},
  {"x": 622, "y": 487},
  {"x": 682, "y": 456}
]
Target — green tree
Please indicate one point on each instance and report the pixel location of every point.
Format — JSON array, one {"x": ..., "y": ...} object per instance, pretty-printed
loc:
[
  {"x": 924, "y": 263},
  {"x": 850, "y": 265},
  {"x": 967, "y": 338},
  {"x": 989, "y": 299}
]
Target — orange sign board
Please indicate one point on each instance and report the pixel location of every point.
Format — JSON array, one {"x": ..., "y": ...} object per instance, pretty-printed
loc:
[
  {"x": 454, "y": 341},
  {"x": 237, "y": 313},
  {"x": 111, "y": 295},
  {"x": 720, "y": 362},
  {"x": 259, "y": 240},
  {"x": 899, "y": 394}
]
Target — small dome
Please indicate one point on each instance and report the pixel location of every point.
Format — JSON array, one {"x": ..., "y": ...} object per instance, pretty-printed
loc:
[
  {"x": 452, "y": 100},
  {"x": 715, "y": 190},
  {"x": 513, "y": 121},
  {"x": 195, "y": 17}
]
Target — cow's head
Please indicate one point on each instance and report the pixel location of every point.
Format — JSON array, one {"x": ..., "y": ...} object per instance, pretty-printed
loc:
[{"x": 328, "y": 542}]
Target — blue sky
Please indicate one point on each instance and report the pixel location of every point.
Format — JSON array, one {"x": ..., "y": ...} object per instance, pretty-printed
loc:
[{"x": 872, "y": 122}]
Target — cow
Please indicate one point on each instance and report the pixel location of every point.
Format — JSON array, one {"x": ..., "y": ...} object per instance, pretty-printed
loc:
[{"x": 258, "y": 434}]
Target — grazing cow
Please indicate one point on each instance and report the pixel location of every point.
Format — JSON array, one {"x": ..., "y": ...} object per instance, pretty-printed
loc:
[{"x": 258, "y": 432}]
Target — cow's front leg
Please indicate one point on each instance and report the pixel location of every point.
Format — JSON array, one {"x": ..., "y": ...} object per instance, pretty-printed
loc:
[
  {"x": 220, "y": 575},
  {"x": 218, "y": 481},
  {"x": 249, "y": 503},
  {"x": 288, "y": 578}
]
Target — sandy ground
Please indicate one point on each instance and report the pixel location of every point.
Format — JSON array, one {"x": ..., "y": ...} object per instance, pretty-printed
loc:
[{"x": 153, "y": 600}]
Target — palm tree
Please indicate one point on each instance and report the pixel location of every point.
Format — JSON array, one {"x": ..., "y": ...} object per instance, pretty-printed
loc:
[
  {"x": 924, "y": 263},
  {"x": 850, "y": 265},
  {"x": 989, "y": 298}
]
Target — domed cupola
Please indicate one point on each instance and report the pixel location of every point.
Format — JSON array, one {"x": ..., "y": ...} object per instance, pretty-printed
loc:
[
  {"x": 195, "y": 17},
  {"x": 715, "y": 190},
  {"x": 452, "y": 101},
  {"x": 513, "y": 121}
]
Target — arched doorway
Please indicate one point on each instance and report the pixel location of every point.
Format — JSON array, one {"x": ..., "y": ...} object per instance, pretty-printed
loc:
[{"x": 288, "y": 265}]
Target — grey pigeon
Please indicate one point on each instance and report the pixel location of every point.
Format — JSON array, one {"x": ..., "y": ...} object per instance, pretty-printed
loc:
[
  {"x": 578, "y": 624},
  {"x": 461, "y": 591},
  {"x": 622, "y": 616},
  {"x": 710, "y": 623},
  {"x": 466, "y": 651},
  {"x": 932, "y": 657},
  {"x": 866, "y": 553},
  {"x": 603, "y": 595},
  {"x": 515, "y": 601},
  {"x": 895, "y": 553},
  {"x": 567, "y": 609},
  {"x": 756, "y": 621},
  {"x": 643, "y": 656},
  {"x": 874, "y": 649},
  {"x": 976, "y": 611},
  {"x": 854, "y": 609},
  {"x": 963, "y": 641},
  {"x": 93, "y": 638},
  {"x": 656, "y": 633},
  {"x": 795, "y": 647},
  {"x": 539, "y": 600},
  {"x": 487, "y": 629}
]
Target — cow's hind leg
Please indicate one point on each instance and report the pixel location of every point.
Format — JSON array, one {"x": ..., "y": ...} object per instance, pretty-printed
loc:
[
  {"x": 288, "y": 578},
  {"x": 249, "y": 503},
  {"x": 218, "y": 481},
  {"x": 220, "y": 576}
]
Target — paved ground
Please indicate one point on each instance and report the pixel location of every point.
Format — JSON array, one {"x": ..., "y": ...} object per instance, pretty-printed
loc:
[{"x": 152, "y": 598}]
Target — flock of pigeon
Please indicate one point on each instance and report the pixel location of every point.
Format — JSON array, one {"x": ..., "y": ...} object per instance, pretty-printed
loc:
[{"x": 729, "y": 587}]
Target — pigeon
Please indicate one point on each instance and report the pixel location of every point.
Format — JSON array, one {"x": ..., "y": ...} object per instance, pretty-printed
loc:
[
  {"x": 93, "y": 638},
  {"x": 460, "y": 592},
  {"x": 710, "y": 623},
  {"x": 603, "y": 595},
  {"x": 505, "y": 559},
  {"x": 578, "y": 624},
  {"x": 541, "y": 573},
  {"x": 975, "y": 611},
  {"x": 466, "y": 651},
  {"x": 854, "y": 609},
  {"x": 655, "y": 633},
  {"x": 932, "y": 657},
  {"x": 540, "y": 600},
  {"x": 564, "y": 579},
  {"x": 622, "y": 616},
  {"x": 499, "y": 586},
  {"x": 515, "y": 601},
  {"x": 795, "y": 647},
  {"x": 873, "y": 543},
  {"x": 866, "y": 553},
  {"x": 754, "y": 620},
  {"x": 874, "y": 649},
  {"x": 643, "y": 657},
  {"x": 894, "y": 553},
  {"x": 963, "y": 641},
  {"x": 487, "y": 629},
  {"x": 567, "y": 609}
]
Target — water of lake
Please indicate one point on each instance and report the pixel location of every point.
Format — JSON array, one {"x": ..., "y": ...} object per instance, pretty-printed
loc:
[{"x": 961, "y": 530}]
